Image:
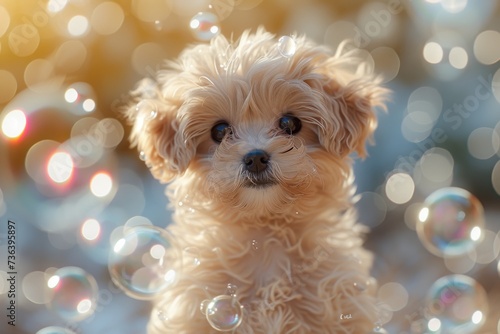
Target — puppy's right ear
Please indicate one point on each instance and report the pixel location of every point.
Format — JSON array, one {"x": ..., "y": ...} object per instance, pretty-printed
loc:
[{"x": 154, "y": 127}]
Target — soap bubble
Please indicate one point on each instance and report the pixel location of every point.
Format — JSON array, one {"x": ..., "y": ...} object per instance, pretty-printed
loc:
[
  {"x": 142, "y": 263},
  {"x": 74, "y": 293},
  {"x": 456, "y": 304},
  {"x": 450, "y": 222},
  {"x": 224, "y": 313},
  {"x": 55, "y": 330},
  {"x": 287, "y": 46},
  {"x": 204, "y": 26}
]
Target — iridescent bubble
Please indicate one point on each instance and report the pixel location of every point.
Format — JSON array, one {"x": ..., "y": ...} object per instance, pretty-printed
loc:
[
  {"x": 143, "y": 263},
  {"x": 456, "y": 304},
  {"x": 287, "y": 46},
  {"x": 203, "y": 306},
  {"x": 55, "y": 330},
  {"x": 74, "y": 293},
  {"x": 450, "y": 222},
  {"x": 224, "y": 313},
  {"x": 205, "y": 26}
]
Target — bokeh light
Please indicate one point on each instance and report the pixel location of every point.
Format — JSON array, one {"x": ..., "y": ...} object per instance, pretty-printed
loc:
[
  {"x": 433, "y": 52},
  {"x": 483, "y": 143},
  {"x": 399, "y": 188},
  {"x": 74, "y": 293},
  {"x": 35, "y": 289},
  {"x": 487, "y": 47},
  {"x": 143, "y": 263},
  {"x": 91, "y": 229},
  {"x": 458, "y": 57},
  {"x": 55, "y": 6},
  {"x": 451, "y": 221},
  {"x": 107, "y": 18},
  {"x": 60, "y": 167},
  {"x": 394, "y": 295},
  {"x": 9, "y": 85},
  {"x": 14, "y": 123},
  {"x": 4, "y": 20},
  {"x": 78, "y": 25},
  {"x": 101, "y": 184}
]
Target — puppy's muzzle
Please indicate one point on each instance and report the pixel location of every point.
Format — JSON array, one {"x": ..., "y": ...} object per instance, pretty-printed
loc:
[{"x": 256, "y": 164}]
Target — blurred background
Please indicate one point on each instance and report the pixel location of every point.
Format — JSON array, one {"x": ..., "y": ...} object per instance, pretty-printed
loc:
[{"x": 69, "y": 181}]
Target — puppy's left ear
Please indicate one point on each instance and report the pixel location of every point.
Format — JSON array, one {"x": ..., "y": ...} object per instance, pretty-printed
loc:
[{"x": 350, "y": 118}]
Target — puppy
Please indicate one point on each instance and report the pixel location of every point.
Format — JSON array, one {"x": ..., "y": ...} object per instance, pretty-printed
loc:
[{"x": 255, "y": 144}]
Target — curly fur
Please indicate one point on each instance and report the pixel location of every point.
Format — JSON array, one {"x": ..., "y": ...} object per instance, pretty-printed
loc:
[{"x": 293, "y": 249}]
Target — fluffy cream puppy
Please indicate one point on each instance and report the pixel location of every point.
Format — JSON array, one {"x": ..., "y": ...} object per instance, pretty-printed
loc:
[{"x": 255, "y": 144}]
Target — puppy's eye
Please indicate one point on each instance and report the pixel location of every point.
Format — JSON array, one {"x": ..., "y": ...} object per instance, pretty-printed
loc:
[
  {"x": 219, "y": 131},
  {"x": 290, "y": 124}
]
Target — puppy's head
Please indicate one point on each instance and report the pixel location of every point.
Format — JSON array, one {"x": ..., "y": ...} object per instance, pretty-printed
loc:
[{"x": 244, "y": 124}]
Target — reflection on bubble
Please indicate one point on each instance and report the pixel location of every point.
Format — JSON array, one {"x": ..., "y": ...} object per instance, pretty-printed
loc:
[
  {"x": 394, "y": 295},
  {"x": 399, "y": 188},
  {"x": 487, "y": 47},
  {"x": 78, "y": 25},
  {"x": 101, "y": 184},
  {"x": 14, "y": 123},
  {"x": 9, "y": 84},
  {"x": 74, "y": 293},
  {"x": 107, "y": 18},
  {"x": 142, "y": 263},
  {"x": 224, "y": 313},
  {"x": 205, "y": 26},
  {"x": 81, "y": 97},
  {"x": 287, "y": 46},
  {"x": 451, "y": 221},
  {"x": 458, "y": 302},
  {"x": 483, "y": 143},
  {"x": 55, "y": 330}
]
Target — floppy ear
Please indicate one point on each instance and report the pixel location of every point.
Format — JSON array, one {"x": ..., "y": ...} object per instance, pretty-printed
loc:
[
  {"x": 351, "y": 98},
  {"x": 155, "y": 131}
]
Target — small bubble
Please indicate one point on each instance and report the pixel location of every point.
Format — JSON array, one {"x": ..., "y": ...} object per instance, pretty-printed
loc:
[
  {"x": 231, "y": 289},
  {"x": 287, "y": 46},
  {"x": 379, "y": 330},
  {"x": 450, "y": 222},
  {"x": 224, "y": 313},
  {"x": 205, "y": 26},
  {"x": 142, "y": 155},
  {"x": 255, "y": 244},
  {"x": 142, "y": 262},
  {"x": 74, "y": 293}
]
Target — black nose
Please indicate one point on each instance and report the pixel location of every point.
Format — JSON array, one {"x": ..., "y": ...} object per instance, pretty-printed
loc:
[{"x": 256, "y": 161}]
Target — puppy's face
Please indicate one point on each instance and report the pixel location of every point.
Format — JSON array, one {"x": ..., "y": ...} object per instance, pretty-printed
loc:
[{"x": 246, "y": 126}]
